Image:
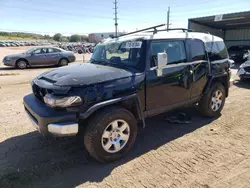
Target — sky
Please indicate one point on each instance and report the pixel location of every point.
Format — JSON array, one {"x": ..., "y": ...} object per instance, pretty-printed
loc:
[{"x": 89, "y": 16}]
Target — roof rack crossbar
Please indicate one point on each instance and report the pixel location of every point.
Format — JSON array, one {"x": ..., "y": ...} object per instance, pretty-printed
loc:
[
  {"x": 175, "y": 29},
  {"x": 138, "y": 31}
]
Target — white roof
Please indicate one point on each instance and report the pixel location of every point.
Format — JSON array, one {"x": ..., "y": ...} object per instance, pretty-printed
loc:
[{"x": 168, "y": 35}]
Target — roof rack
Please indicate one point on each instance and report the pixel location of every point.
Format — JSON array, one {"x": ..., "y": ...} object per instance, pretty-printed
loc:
[
  {"x": 146, "y": 29},
  {"x": 175, "y": 29},
  {"x": 154, "y": 31}
]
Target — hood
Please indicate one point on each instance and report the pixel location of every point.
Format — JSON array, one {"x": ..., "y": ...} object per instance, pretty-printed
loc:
[
  {"x": 16, "y": 55},
  {"x": 83, "y": 74}
]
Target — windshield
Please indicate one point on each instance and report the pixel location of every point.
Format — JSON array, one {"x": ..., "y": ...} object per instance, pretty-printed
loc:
[
  {"x": 30, "y": 50},
  {"x": 120, "y": 53}
]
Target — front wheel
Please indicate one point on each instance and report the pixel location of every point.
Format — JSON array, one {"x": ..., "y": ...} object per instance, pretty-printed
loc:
[
  {"x": 110, "y": 134},
  {"x": 21, "y": 64},
  {"x": 213, "y": 102}
]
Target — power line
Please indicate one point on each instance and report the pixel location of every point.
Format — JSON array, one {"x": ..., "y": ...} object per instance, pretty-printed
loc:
[
  {"x": 52, "y": 4},
  {"x": 56, "y": 12},
  {"x": 37, "y": 32}
]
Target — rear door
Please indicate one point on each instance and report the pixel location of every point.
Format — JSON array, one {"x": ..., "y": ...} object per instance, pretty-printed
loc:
[
  {"x": 53, "y": 56},
  {"x": 200, "y": 67},
  {"x": 173, "y": 88}
]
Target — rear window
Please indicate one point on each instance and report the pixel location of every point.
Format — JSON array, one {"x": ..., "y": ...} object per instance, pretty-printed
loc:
[{"x": 216, "y": 50}]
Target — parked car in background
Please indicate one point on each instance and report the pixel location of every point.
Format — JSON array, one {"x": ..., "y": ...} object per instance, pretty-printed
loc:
[
  {"x": 236, "y": 53},
  {"x": 40, "y": 56},
  {"x": 244, "y": 70},
  {"x": 2, "y": 44}
]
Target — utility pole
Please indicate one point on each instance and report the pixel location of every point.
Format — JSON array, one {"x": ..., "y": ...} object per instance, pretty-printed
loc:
[
  {"x": 168, "y": 18},
  {"x": 116, "y": 24}
]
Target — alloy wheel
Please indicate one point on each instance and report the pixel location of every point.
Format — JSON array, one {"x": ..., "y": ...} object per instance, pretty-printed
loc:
[{"x": 115, "y": 136}]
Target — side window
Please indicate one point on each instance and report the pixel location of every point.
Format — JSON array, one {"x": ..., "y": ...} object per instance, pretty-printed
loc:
[
  {"x": 43, "y": 50},
  {"x": 175, "y": 51},
  {"x": 38, "y": 51},
  {"x": 52, "y": 50},
  {"x": 216, "y": 50},
  {"x": 197, "y": 50}
]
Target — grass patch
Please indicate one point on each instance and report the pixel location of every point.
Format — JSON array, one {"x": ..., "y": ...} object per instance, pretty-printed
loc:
[{"x": 16, "y": 38}]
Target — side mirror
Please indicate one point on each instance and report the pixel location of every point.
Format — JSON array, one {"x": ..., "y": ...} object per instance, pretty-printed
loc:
[{"x": 162, "y": 61}]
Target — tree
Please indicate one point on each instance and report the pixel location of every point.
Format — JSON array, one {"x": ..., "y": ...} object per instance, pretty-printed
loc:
[
  {"x": 75, "y": 38},
  {"x": 57, "y": 37},
  {"x": 84, "y": 38},
  {"x": 47, "y": 37}
]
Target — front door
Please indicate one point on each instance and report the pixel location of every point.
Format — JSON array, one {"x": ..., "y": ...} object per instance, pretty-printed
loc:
[
  {"x": 173, "y": 87},
  {"x": 38, "y": 57}
]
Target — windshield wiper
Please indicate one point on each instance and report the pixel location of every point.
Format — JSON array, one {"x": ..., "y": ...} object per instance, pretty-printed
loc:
[{"x": 98, "y": 61}]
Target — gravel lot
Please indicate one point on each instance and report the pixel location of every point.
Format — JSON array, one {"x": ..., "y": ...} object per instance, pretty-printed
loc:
[{"x": 207, "y": 153}]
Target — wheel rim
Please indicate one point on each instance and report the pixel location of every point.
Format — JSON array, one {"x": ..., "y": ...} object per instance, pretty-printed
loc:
[
  {"x": 216, "y": 100},
  {"x": 115, "y": 136},
  {"x": 64, "y": 62},
  {"x": 22, "y": 64}
]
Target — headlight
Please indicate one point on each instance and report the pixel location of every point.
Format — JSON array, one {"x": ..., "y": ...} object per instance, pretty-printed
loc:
[
  {"x": 62, "y": 102},
  {"x": 246, "y": 64},
  {"x": 8, "y": 58},
  {"x": 242, "y": 65}
]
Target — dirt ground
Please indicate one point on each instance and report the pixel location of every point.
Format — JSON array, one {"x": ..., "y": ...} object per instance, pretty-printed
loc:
[{"x": 206, "y": 153}]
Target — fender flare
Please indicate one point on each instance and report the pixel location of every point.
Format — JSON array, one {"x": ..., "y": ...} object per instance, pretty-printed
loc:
[
  {"x": 211, "y": 79},
  {"x": 95, "y": 107}
]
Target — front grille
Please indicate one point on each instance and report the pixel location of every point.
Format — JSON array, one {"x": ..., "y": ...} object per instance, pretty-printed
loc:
[
  {"x": 39, "y": 92},
  {"x": 247, "y": 69}
]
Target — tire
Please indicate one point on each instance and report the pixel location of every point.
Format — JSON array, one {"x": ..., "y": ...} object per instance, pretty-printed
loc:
[
  {"x": 209, "y": 104},
  {"x": 242, "y": 79},
  {"x": 21, "y": 64},
  {"x": 63, "y": 62},
  {"x": 96, "y": 141}
]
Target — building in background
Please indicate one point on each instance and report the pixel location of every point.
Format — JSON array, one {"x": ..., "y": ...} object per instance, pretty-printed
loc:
[
  {"x": 234, "y": 28},
  {"x": 97, "y": 37}
]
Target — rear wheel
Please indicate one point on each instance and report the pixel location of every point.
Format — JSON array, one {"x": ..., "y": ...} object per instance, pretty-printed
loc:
[
  {"x": 110, "y": 134},
  {"x": 21, "y": 64},
  {"x": 212, "y": 103},
  {"x": 63, "y": 62}
]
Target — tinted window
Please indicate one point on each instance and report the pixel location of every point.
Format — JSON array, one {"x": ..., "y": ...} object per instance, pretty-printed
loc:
[
  {"x": 53, "y": 50},
  {"x": 175, "y": 51},
  {"x": 38, "y": 51},
  {"x": 216, "y": 50},
  {"x": 233, "y": 48},
  {"x": 197, "y": 50}
]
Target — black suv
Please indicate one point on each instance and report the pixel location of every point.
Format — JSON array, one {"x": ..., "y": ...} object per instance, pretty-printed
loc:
[
  {"x": 236, "y": 53},
  {"x": 128, "y": 79}
]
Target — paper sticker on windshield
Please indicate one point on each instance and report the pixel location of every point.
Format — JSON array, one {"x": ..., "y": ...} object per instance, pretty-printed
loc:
[{"x": 134, "y": 44}]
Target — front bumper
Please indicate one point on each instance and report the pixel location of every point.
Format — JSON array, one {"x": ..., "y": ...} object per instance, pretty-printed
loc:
[
  {"x": 242, "y": 73},
  {"x": 9, "y": 63},
  {"x": 48, "y": 120}
]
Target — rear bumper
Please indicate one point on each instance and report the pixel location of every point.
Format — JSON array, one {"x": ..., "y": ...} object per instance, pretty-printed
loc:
[
  {"x": 48, "y": 120},
  {"x": 72, "y": 59}
]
